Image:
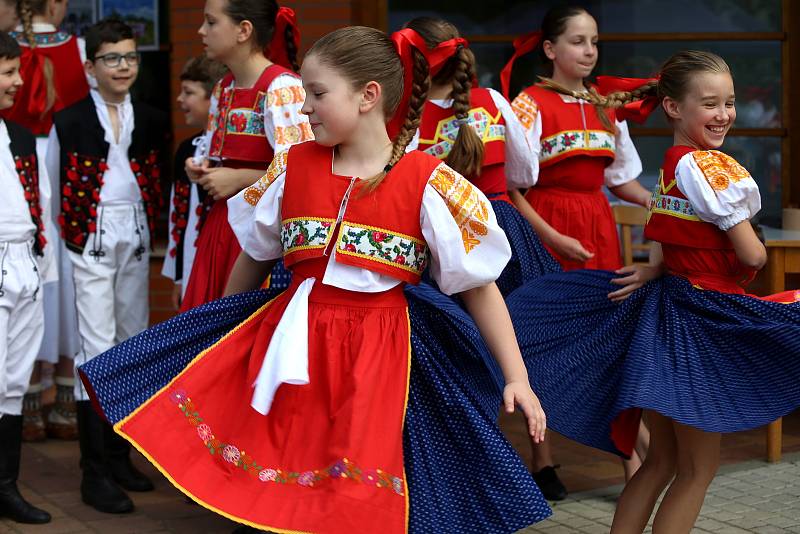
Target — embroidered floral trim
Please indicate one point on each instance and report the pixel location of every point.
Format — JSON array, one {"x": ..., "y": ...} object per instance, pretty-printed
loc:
[
  {"x": 293, "y": 134},
  {"x": 286, "y": 96},
  {"x": 526, "y": 110},
  {"x": 447, "y": 130},
  {"x": 147, "y": 172},
  {"x": 384, "y": 246},
  {"x": 231, "y": 454},
  {"x": 28, "y": 173},
  {"x": 562, "y": 142},
  {"x": 42, "y": 39},
  {"x": 245, "y": 122},
  {"x": 719, "y": 169},
  {"x": 470, "y": 213},
  {"x": 80, "y": 193},
  {"x": 673, "y": 206},
  {"x": 301, "y": 234},
  {"x": 277, "y": 167}
]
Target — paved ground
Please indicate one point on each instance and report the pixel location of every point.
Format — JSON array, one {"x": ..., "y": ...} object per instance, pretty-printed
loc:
[{"x": 747, "y": 497}]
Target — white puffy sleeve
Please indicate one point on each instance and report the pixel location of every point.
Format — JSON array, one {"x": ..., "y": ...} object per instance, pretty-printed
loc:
[
  {"x": 522, "y": 167},
  {"x": 284, "y": 125},
  {"x": 527, "y": 111},
  {"x": 719, "y": 189},
  {"x": 468, "y": 248},
  {"x": 627, "y": 166},
  {"x": 255, "y": 213}
]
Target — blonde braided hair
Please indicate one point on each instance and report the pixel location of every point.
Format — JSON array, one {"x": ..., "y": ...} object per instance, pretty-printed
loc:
[{"x": 26, "y": 11}]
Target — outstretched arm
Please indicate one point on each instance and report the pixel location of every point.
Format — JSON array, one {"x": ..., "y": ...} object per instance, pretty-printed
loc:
[
  {"x": 487, "y": 307},
  {"x": 632, "y": 192}
]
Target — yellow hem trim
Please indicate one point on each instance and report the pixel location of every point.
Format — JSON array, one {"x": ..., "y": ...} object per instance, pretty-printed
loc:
[
  {"x": 405, "y": 409},
  {"x": 662, "y": 211}
]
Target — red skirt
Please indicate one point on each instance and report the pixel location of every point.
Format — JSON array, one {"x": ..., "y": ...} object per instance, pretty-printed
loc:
[
  {"x": 584, "y": 215},
  {"x": 328, "y": 457},
  {"x": 217, "y": 250}
]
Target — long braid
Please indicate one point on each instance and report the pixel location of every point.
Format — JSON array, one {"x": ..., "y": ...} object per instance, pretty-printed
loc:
[
  {"x": 614, "y": 100},
  {"x": 26, "y": 16},
  {"x": 291, "y": 50},
  {"x": 466, "y": 154},
  {"x": 420, "y": 83}
]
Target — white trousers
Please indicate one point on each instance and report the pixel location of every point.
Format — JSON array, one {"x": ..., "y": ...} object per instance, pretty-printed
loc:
[
  {"x": 21, "y": 322},
  {"x": 111, "y": 282}
]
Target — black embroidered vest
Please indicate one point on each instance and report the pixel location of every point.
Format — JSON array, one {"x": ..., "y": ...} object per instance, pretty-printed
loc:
[
  {"x": 83, "y": 163},
  {"x": 23, "y": 149}
]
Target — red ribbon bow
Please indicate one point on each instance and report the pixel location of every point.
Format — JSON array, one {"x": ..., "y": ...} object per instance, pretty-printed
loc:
[
  {"x": 276, "y": 50},
  {"x": 637, "y": 111},
  {"x": 522, "y": 45},
  {"x": 404, "y": 42}
]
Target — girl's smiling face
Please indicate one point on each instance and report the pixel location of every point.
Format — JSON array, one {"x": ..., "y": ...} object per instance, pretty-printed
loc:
[
  {"x": 703, "y": 117},
  {"x": 574, "y": 52}
]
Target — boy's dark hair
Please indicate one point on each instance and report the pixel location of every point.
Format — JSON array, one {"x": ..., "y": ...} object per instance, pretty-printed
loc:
[
  {"x": 105, "y": 31},
  {"x": 203, "y": 70},
  {"x": 9, "y": 48}
]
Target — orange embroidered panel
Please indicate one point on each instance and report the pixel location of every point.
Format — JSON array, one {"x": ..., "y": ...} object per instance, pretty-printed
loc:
[
  {"x": 470, "y": 213},
  {"x": 719, "y": 169},
  {"x": 285, "y": 96},
  {"x": 278, "y": 166},
  {"x": 526, "y": 110},
  {"x": 293, "y": 134}
]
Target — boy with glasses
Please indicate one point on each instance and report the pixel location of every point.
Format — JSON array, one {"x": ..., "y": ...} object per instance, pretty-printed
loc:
[{"x": 110, "y": 151}]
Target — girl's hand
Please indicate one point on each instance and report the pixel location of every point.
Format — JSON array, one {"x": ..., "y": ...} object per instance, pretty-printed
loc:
[
  {"x": 521, "y": 394},
  {"x": 569, "y": 248},
  {"x": 221, "y": 182},
  {"x": 193, "y": 170},
  {"x": 638, "y": 275}
]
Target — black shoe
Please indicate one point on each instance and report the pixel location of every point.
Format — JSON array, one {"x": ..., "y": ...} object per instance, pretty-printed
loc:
[
  {"x": 98, "y": 488},
  {"x": 12, "y": 504},
  {"x": 124, "y": 473},
  {"x": 551, "y": 486}
]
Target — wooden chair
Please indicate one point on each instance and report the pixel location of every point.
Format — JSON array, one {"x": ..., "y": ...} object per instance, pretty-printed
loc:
[{"x": 628, "y": 216}]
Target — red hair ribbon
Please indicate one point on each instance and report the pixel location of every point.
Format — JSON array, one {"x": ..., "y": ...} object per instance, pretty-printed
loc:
[
  {"x": 404, "y": 42},
  {"x": 637, "y": 111},
  {"x": 32, "y": 72},
  {"x": 522, "y": 45},
  {"x": 276, "y": 50}
]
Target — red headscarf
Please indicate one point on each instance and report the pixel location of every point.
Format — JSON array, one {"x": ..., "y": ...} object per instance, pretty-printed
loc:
[
  {"x": 276, "y": 50},
  {"x": 637, "y": 111},
  {"x": 522, "y": 45},
  {"x": 404, "y": 42}
]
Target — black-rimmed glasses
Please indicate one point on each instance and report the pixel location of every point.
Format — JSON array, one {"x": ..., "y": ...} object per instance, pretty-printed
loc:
[{"x": 113, "y": 60}]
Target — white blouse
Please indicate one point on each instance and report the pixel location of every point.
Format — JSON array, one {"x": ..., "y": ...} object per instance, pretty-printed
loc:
[
  {"x": 521, "y": 166},
  {"x": 719, "y": 189},
  {"x": 627, "y": 165},
  {"x": 460, "y": 260}
]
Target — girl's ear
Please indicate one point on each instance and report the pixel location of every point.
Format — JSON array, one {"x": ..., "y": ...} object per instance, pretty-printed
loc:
[
  {"x": 370, "y": 96},
  {"x": 548, "y": 50},
  {"x": 671, "y": 107},
  {"x": 245, "y": 31}
]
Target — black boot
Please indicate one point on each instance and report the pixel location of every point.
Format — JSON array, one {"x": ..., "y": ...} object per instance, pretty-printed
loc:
[
  {"x": 552, "y": 487},
  {"x": 119, "y": 463},
  {"x": 12, "y": 505},
  {"x": 98, "y": 488}
]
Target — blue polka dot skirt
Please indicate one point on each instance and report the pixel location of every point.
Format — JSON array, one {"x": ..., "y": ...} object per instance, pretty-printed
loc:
[
  {"x": 715, "y": 361},
  {"x": 463, "y": 476}
]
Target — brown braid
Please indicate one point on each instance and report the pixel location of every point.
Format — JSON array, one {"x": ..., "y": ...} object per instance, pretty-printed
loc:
[
  {"x": 291, "y": 50},
  {"x": 466, "y": 154},
  {"x": 421, "y": 82},
  {"x": 26, "y": 11},
  {"x": 613, "y": 100}
]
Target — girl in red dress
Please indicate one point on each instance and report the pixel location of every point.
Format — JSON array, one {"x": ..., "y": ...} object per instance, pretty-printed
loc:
[
  {"x": 579, "y": 147},
  {"x": 294, "y": 421},
  {"x": 255, "y": 111}
]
